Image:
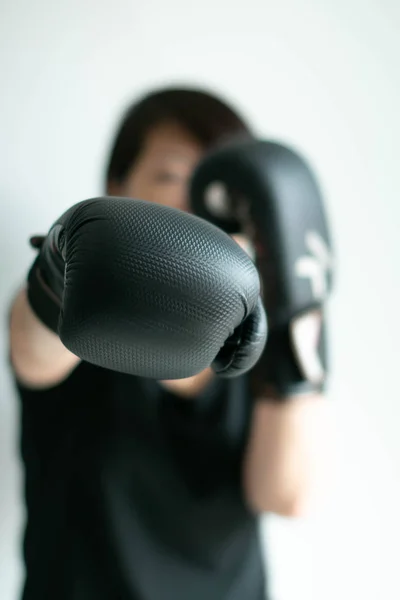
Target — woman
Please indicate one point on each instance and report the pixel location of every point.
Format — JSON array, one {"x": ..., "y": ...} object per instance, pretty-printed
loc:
[{"x": 147, "y": 490}]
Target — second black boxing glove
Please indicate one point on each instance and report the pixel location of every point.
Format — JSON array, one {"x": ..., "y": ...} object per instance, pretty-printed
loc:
[
  {"x": 272, "y": 196},
  {"x": 146, "y": 289}
]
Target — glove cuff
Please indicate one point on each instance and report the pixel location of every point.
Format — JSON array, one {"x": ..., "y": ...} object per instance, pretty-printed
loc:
[
  {"x": 43, "y": 301},
  {"x": 294, "y": 363}
]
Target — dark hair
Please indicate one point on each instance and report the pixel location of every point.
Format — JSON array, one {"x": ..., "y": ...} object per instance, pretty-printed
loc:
[{"x": 205, "y": 116}]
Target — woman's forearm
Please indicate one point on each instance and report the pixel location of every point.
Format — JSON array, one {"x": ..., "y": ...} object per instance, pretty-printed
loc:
[
  {"x": 38, "y": 357},
  {"x": 286, "y": 458}
]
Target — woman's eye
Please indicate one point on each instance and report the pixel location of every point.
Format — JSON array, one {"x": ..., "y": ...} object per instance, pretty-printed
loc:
[{"x": 168, "y": 177}]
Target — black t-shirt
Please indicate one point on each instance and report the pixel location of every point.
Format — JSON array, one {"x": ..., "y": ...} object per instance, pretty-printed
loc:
[{"x": 135, "y": 494}]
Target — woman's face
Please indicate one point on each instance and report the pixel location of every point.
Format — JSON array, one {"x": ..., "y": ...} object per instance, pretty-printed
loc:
[{"x": 163, "y": 169}]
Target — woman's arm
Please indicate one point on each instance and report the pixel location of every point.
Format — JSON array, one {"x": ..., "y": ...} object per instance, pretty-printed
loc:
[
  {"x": 287, "y": 457},
  {"x": 38, "y": 357}
]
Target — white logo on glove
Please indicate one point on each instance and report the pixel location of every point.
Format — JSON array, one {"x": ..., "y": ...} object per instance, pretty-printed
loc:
[
  {"x": 317, "y": 266},
  {"x": 305, "y": 334}
]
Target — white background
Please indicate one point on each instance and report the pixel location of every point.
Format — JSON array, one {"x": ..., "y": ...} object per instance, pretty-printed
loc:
[{"x": 322, "y": 75}]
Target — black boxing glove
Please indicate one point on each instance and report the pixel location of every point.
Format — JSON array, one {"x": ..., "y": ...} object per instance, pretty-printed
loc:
[
  {"x": 268, "y": 192},
  {"x": 46, "y": 278},
  {"x": 149, "y": 290}
]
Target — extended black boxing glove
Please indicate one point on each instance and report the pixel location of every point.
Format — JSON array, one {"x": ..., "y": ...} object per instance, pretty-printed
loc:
[
  {"x": 149, "y": 290},
  {"x": 268, "y": 192}
]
